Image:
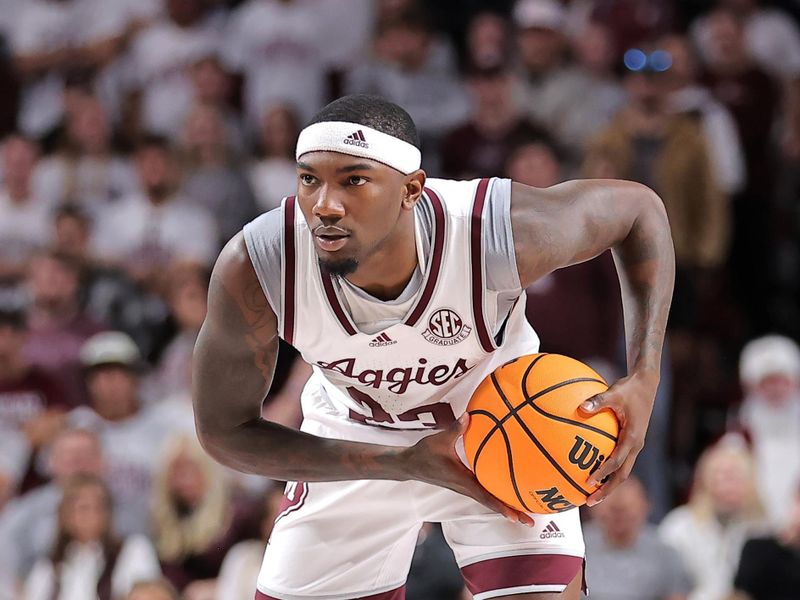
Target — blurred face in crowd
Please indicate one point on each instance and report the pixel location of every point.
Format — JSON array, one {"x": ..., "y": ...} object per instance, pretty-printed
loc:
[
  {"x": 88, "y": 126},
  {"x": 157, "y": 170},
  {"x": 85, "y": 513},
  {"x": 405, "y": 45},
  {"x": 726, "y": 477},
  {"x": 646, "y": 91},
  {"x": 75, "y": 452},
  {"x": 541, "y": 49},
  {"x": 211, "y": 82},
  {"x": 189, "y": 302},
  {"x": 684, "y": 66},
  {"x": 534, "y": 164},
  {"x": 19, "y": 157},
  {"x": 53, "y": 282},
  {"x": 204, "y": 130},
  {"x": 491, "y": 90},
  {"x": 355, "y": 204},
  {"x": 12, "y": 339},
  {"x": 113, "y": 391},
  {"x": 487, "y": 37},
  {"x": 186, "y": 481},
  {"x": 279, "y": 132},
  {"x": 72, "y": 235},
  {"x": 778, "y": 388},
  {"x": 623, "y": 514},
  {"x": 185, "y": 12},
  {"x": 727, "y": 48},
  {"x": 594, "y": 49}
]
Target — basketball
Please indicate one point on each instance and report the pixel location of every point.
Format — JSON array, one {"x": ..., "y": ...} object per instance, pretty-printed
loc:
[{"x": 527, "y": 443}]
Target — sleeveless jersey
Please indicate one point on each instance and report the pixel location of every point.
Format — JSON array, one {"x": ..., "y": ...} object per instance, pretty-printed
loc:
[{"x": 414, "y": 376}]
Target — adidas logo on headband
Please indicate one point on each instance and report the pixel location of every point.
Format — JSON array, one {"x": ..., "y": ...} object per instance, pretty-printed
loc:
[{"x": 356, "y": 139}]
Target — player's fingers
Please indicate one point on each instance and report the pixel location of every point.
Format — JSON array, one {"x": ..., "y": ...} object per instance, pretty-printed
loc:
[
  {"x": 597, "y": 403},
  {"x": 476, "y": 491},
  {"x": 616, "y": 479},
  {"x": 462, "y": 424},
  {"x": 611, "y": 464}
]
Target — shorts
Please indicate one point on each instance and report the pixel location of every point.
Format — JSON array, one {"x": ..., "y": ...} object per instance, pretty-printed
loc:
[{"x": 355, "y": 539}]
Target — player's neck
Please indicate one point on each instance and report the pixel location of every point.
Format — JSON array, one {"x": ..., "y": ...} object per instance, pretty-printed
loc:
[{"x": 387, "y": 271}]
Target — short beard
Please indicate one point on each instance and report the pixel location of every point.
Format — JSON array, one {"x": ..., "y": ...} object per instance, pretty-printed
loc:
[{"x": 339, "y": 267}]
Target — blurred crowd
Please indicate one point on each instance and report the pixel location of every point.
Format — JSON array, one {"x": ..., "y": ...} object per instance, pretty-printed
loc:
[{"x": 138, "y": 136}]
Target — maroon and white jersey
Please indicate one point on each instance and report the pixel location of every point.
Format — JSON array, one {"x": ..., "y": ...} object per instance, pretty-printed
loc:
[{"x": 392, "y": 372}]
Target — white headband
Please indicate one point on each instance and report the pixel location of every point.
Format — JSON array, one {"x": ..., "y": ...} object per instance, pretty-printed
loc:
[{"x": 359, "y": 140}]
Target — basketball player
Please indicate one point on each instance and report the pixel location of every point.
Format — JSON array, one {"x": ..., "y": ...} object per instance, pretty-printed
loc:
[{"x": 403, "y": 293}]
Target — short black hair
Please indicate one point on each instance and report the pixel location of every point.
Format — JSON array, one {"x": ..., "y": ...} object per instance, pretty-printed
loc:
[{"x": 371, "y": 111}]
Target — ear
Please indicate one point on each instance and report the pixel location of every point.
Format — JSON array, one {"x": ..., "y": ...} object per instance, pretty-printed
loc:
[{"x": 412, "y": 190}]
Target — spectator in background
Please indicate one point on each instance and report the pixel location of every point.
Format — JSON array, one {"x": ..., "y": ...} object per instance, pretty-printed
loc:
[
  {"x": 130, "y": 435},
  {"x": 88, "y": 560},
  {"x": 161, "y": 59},
  {"x": 146, "y": 233},
  {"x": 31, "y": 402},
  {"x": 769, "y": 370},
  {"x": 24, "y": 215},
  {"x": 212, "y": 177},
  {"x": 722, "y": 512},
  {"x": 635, "y": 22},
  {"x": 274, "y": 175},
  {"x": 481, "y": 146},
  {"x": 160, "y": 589},
  {"x": 688, "y": 97},
  {"x": 57, "y": 326},
  {"x": 213, "y": 86},
  {"x": 28, "y": 523},
  {"x": 107, "y": 294},
  {"x": 239, "y": 571},
  {"x": 487, "y": 40},
  {"x": 416, "y": 68},
  {"x": 753, "y": 98},
  {"x": 54, "y": 39},
  {"x": 87, "y": 171},
  {"x": 769, "y": 568},
  {"x": 196, "y": 520},
  {"x": 277, "y": 46},
  {"x": 625, "y": 560}
]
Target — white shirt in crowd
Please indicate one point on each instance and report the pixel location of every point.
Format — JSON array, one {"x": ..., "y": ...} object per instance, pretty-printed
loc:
[
  {"x": 239, "y": 571},
  {"x": 277, "y": 46},
  {"x": 159, "y": 64},
  {"x": 83, "y": 566},
  {"x": 24, "y": 227},
  {"x": 47, "y": 25},
  {"x": 772, "y": 38},
  {"x": 272, "y": 179},
  {"x": 135, "y": 230}
]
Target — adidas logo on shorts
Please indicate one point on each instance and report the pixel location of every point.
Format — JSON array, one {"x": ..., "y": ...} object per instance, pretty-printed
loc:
[
  {"x": 381, "y": 340},
  {"x": 356, "y": 139},
  {"x": 551, "y": 531}
]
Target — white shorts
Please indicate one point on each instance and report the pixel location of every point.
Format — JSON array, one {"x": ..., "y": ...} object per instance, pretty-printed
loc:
[{"x": 355, "y": 539}]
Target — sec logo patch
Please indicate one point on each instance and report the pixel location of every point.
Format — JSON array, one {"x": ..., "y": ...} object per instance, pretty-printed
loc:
[{"x": 446, "y": 328}]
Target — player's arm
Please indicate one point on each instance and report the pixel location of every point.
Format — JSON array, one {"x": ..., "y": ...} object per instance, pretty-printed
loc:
[
  {"x": 576, "y": 221},
  {"x": 234, "y": 360}
]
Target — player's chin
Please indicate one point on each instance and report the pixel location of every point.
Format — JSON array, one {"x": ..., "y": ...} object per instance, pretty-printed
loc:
[{"x": 337, "y": 265}]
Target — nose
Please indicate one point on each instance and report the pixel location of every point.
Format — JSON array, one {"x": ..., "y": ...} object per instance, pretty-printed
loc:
[{"x": 328, "y": 206}]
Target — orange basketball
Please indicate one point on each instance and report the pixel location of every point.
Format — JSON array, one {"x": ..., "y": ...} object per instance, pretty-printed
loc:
[{"x": 527, "y": 443}]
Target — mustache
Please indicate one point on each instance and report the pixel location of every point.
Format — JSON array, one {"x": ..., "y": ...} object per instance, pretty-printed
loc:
[{"x": 329, "y": 230}]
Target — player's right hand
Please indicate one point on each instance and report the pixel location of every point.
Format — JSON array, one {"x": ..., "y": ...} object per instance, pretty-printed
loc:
[{"x": 434, "y": 460}]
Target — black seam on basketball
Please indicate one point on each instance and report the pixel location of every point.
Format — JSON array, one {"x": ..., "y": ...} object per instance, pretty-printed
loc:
[
  {"x": 499, "y": 428},
  {"x": 534, "y": 440},
  {"x": 597, "y": 430}
]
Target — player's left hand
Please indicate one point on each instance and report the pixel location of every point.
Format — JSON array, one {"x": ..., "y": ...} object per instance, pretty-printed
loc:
[{"x": 631, "y": 398}]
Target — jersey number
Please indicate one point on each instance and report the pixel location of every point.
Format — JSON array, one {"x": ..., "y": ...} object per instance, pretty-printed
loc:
[{"x": 429, "y": 416}]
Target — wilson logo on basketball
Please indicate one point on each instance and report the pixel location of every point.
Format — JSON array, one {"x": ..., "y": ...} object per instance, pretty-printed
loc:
[
  {"x": 446, "y": 328},
  {"x": 585, "y": 456}
]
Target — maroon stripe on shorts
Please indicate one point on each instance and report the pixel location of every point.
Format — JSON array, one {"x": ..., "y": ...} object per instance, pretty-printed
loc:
[
  {"x": 476, "y": 255},
  {"x": 515, "y": 571},
  {"x": 397, "y": 594},
  {"x": 289, "y": 274}
]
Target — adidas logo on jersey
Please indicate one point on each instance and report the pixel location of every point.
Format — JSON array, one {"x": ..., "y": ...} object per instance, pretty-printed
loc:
[
  {"x": 356, "y": 139},
  {"x": 381, "y": 340},
  {"x": 551, "y": 531}
]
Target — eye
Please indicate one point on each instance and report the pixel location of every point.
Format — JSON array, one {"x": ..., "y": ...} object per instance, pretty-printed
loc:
[
  {"x": 306, "y": 179},
  {"x": 356, "y": 180}
]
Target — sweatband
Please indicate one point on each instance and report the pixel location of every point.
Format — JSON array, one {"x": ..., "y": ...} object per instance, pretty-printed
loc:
[{"x": 359, "y": 140}]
